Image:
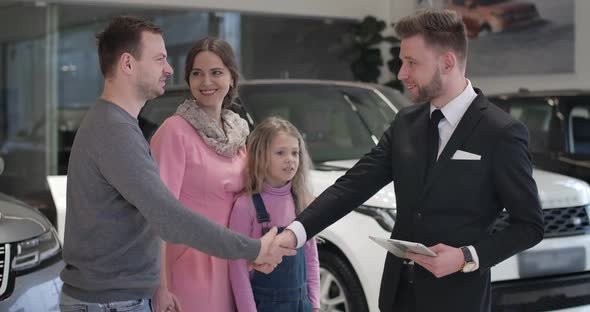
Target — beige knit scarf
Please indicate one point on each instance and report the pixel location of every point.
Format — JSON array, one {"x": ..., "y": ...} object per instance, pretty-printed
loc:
[{"x": 225, "y": 143}]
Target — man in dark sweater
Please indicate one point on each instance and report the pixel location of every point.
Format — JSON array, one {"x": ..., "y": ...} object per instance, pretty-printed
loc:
[{"x": 118, "y": 208}]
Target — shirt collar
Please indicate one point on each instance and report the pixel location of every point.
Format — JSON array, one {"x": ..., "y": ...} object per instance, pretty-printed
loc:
[
  {"x": 281, "y": 190},
  {"x": 455, "y": 109}
]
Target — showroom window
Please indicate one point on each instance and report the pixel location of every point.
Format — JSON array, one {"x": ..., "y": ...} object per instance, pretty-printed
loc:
[{"x": 50, "y": 73}]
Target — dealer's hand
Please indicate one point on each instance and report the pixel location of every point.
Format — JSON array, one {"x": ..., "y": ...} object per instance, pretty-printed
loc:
[{"x": 449, "y": 260}]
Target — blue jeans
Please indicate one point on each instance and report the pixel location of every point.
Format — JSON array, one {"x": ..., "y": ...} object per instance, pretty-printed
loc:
[{"x": 69, "y": 304}]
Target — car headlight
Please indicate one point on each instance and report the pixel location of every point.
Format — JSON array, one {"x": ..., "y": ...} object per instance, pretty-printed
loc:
[
  {"x": 384, "y": 216},
  {"x": 32, "y": 252}
]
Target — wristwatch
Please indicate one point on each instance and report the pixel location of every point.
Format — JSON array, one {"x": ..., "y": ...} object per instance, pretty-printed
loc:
[{"x": 469, "y": 264}]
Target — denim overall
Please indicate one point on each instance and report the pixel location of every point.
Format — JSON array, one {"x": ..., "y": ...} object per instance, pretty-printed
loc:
[{"x": 285, "y": 289}]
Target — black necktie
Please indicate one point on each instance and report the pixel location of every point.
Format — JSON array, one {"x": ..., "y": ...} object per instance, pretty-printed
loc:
[{"x": 433, "y": 139}]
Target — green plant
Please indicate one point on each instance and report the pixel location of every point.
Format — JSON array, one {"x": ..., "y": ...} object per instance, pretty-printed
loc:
[
  {"x": 364, "y": 53},
  {"x": 394, "y": 65}
]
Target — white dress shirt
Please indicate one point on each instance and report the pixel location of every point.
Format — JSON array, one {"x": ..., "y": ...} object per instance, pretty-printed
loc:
[{"x": 453, "y": 112}]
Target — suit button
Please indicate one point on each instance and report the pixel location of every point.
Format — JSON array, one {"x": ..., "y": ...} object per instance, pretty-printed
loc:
[{"x": 418, "y": 215}]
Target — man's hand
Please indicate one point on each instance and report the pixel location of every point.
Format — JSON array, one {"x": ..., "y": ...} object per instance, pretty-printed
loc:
[
  {"x": 449, "y": 260},
  {"x": 271, "y": 252},
  {"x": 287, "y": 239},
  {"x": 166, "y": 301}
]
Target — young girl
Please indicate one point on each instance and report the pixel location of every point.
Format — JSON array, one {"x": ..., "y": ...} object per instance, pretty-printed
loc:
[{"x": 275, "y": 192}]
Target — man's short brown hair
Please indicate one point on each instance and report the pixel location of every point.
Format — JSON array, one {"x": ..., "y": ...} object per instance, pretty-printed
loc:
[
  {"x": 122, "y": 35},
  {"x": 440, "y": 28}
]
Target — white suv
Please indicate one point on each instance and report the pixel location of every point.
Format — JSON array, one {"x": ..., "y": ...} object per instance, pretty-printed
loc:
[{"x": 340, "y": 122}]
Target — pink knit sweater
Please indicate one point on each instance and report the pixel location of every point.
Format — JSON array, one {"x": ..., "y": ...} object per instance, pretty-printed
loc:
[{"x": 281, "y": 208}]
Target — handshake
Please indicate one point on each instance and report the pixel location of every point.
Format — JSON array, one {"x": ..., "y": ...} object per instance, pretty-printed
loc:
[{"x": 273, "y": 247}]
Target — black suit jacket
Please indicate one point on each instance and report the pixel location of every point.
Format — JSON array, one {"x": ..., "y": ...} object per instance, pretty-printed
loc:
[{"x": 456, "y": 205}]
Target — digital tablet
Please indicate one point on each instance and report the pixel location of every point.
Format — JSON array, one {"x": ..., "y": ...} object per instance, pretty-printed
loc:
[{"x": 399, "y": 247}]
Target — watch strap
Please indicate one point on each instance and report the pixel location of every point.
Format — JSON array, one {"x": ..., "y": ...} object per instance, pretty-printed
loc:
[{"x": 468, "y": 263}]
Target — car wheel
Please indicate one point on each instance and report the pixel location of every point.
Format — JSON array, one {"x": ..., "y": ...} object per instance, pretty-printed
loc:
[{"x": 340, "y": 289}]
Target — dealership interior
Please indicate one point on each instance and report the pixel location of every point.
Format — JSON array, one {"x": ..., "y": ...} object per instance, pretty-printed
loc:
[{"x": 303, "y": 60}]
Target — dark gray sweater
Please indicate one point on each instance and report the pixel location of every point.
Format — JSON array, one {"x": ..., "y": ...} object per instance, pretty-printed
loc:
[{"x": 117, "y": 206}]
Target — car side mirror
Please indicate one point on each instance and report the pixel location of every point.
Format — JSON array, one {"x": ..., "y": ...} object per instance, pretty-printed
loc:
[{"x": 1, "y": 165}]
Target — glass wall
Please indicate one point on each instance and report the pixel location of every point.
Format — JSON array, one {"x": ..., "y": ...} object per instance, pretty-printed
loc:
[
  {"x": 50, "y": 73},
  {"x": 290, "y": 47},
  {"x": 25, "y": 93}
]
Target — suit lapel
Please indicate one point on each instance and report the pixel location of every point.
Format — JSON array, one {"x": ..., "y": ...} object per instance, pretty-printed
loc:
[{"x": 464, "y": 129}]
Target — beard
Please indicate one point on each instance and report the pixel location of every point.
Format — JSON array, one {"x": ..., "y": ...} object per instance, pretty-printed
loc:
[
  {"x": 431, "y": 90},
  {"x": 149, "y": 90}
]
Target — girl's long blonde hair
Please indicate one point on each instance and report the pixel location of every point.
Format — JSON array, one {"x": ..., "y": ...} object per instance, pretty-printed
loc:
[{"x": 258, "y": 146}]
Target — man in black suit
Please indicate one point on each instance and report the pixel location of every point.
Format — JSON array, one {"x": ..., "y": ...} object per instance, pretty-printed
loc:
[{"x": 457, "y": 161}]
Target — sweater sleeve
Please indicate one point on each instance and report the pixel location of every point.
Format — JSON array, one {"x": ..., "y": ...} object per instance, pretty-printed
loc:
[
  {"x": 123, "y": 158},
  {"x": 313, "y": 272},
  {"x": 241, "y": 221}
]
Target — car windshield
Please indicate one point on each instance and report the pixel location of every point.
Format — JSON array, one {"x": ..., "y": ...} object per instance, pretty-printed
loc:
[
  {"x": 579, "y": 130},
  {"x": 536, "y": 114},
  {"x": 337, "y": 122}
]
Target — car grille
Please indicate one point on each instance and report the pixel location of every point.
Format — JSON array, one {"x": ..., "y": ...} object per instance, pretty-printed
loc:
[
  {"x": 558, "y": 221},
  {"x": 4, "y": 267},
  {"x": 541, "y": 294}
]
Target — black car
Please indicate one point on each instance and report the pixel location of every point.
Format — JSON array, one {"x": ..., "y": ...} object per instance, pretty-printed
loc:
[{"x": 559, "y": 127}]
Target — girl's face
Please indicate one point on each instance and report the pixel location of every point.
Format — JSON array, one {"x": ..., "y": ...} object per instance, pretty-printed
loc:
[
  {"x": 283, "y": 159},
  {"x": 209, "y": 80}
]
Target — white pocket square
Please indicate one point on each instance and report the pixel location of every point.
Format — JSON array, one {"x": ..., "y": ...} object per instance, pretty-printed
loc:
[{"x": 463, "y": 155}]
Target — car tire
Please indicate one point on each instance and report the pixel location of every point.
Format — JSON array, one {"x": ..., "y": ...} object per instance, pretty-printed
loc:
[{"x": 345, "y": 292}]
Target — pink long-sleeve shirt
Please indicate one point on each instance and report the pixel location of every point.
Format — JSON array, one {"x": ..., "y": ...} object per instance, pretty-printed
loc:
[{"x": 281, "y": 208}]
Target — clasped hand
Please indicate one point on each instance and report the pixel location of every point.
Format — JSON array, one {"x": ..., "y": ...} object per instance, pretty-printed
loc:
[{"x": 273, "y": 248}]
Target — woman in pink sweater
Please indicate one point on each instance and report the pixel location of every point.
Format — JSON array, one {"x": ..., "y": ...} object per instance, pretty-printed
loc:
[
  {"x": 201, "y": 154},
  {"x": 276, "y": 190}
]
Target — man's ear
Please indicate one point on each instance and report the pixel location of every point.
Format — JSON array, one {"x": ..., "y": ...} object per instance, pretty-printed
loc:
[
  {"x": 126, "y": 63},
  {"x": 449, "y": 61}
]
